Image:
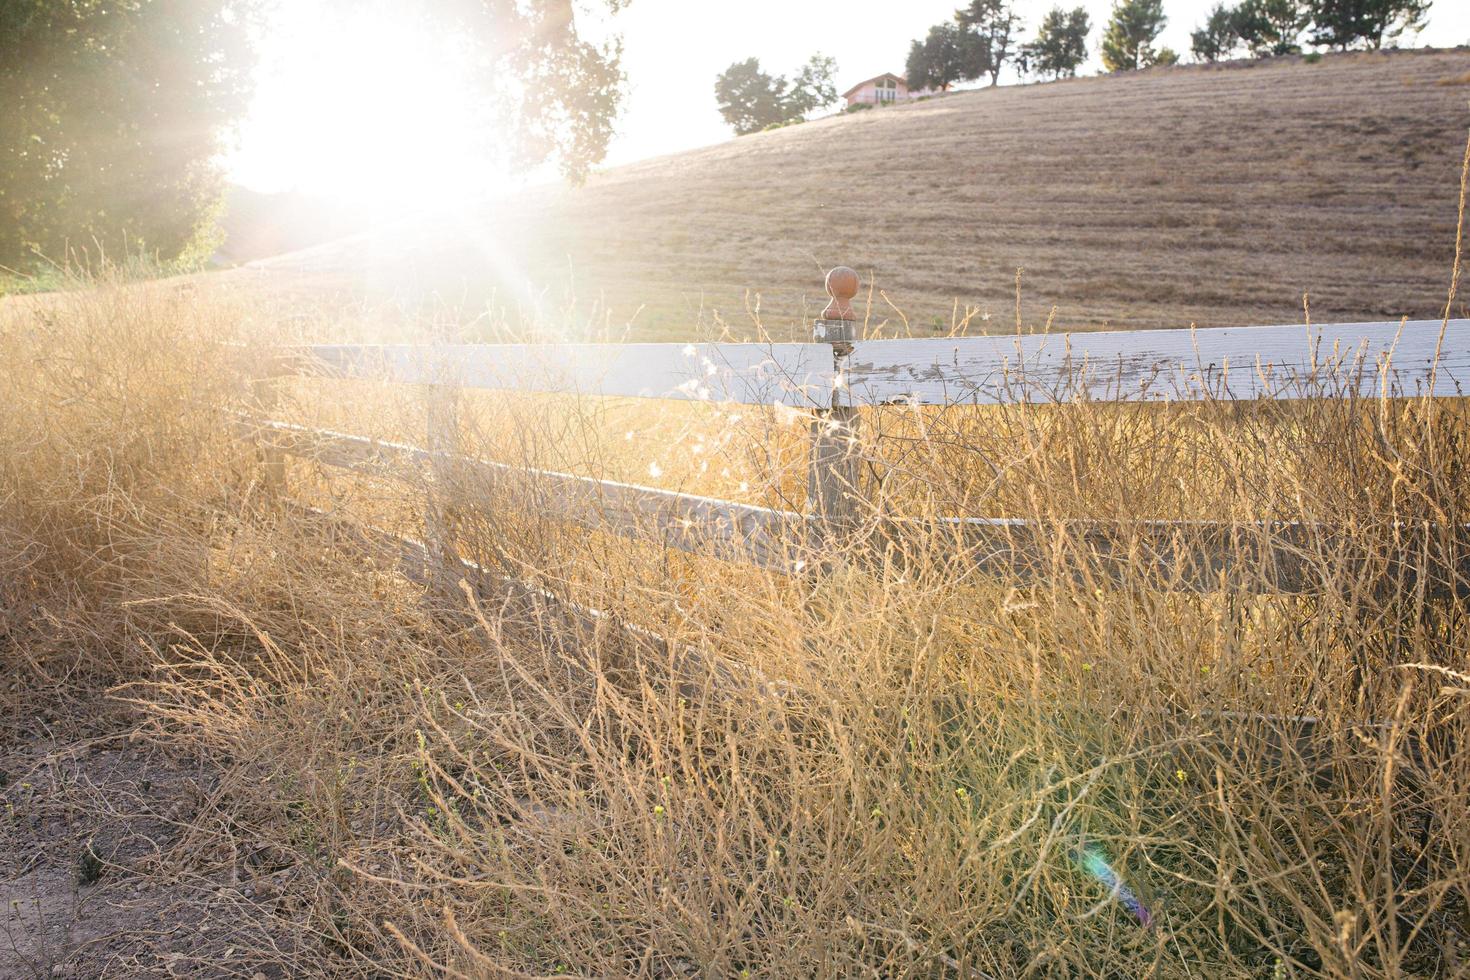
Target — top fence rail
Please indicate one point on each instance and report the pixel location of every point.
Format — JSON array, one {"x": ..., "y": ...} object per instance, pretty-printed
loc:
[{"x": 1410, "y": 358}]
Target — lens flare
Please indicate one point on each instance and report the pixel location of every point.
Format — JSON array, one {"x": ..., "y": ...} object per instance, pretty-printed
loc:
[{"x": 1089, "y": 857}]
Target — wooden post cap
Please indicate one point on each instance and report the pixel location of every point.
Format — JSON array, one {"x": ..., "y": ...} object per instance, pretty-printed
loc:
[{"x": 842, "y": 286}]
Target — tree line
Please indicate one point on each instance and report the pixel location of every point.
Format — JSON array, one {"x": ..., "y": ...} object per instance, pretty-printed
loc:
[
  {"x": 1261, "y": 28},
  {"x": 751, "y": 99},
  {"x": 985, "y": 35}
]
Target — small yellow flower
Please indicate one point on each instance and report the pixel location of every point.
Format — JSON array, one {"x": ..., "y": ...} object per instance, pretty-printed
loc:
[
  {"x": 658, "y": 810},
  {"x": 1180, "y": 775}
]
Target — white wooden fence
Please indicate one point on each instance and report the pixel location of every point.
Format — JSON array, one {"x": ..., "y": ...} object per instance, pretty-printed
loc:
[{"x": 837, "y": 375}]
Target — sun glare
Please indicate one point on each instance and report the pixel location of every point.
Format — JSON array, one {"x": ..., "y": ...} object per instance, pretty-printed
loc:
[{"x": 364, "y": 103}]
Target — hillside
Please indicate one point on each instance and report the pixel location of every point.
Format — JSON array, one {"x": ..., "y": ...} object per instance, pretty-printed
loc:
[
  {"x": 258, "y": 225},
  {"x": 1213, "y": 195}
]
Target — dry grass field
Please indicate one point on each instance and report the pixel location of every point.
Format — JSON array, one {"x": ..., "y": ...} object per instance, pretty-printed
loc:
[
  {"x": 238, "y": 741},
  {"x": 1208, "y": 195},
  {"x": 239, "y": 738}
]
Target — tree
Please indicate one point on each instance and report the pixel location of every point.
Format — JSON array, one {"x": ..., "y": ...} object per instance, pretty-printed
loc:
[
  {"x": 550, "y": 94},
  {"x": 751, "y": 100},
  {"x": 110, "y": 121},
  {"x": 1217, "y": 38},
  {"x": 113, "y": 112},
  {"x": 1345, "y": 23},
  {"x": 1128, "y": 41},
  {"x": 1271, "y": 27},
  {"x": 994, "y": 24},
  {"x": 949, "y": 54},
  {"x": 1061, "y": 43},
  {"x": 814, "y": 88}
]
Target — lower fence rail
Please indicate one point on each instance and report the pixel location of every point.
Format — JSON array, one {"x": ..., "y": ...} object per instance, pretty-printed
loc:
[
  {"x": 1260, "y": 557},
  {"x": 513, "y": 601}
]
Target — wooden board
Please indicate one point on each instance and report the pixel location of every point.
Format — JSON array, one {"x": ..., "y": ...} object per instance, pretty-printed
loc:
[
  {"x": 572, "y": 628},
  {"x": 686, "y": 522},
  {"x": 1260, "y": 557},
  {"x": 798, "y": 375},
  {"x": 1282, "y": 362},
  {"x": 1179, "y": 556}
]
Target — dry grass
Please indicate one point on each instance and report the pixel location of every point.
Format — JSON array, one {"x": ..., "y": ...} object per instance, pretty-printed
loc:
[
  {"x": 902, "y": 769},
  {"x": 1212, "y": 195}
]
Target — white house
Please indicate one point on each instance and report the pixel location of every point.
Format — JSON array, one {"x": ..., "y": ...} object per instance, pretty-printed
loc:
[{"x": 883, "y": 89}]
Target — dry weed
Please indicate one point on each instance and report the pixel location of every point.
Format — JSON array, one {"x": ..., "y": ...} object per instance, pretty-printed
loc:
[{"x": 909, "y": 766}]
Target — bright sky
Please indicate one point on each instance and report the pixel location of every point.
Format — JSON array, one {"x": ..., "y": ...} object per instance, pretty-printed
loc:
[{"x": 364, "y": 105}]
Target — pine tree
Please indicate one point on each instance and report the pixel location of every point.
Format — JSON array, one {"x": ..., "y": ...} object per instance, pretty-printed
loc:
[
  {"x": 994, "y": 24},
  {"x": 1061, "y": 43},
  {"x": 1128, "y": 41},
  {"x": 1218, "y": 37}
]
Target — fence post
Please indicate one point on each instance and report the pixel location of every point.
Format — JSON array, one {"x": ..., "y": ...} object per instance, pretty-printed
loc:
[
  {"x": 442, "y": 440},
  {"x": 265, "y": 391},
  {"x": 832, "y": 477}
]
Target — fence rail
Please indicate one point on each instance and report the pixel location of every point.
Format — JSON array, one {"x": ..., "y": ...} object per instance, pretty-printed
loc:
[
  {"x": 797, "y": 375},
  {"x": 1230, "y": 363},
  {"x": 728, "y": 530},
  {"x": 1280, "y": 362},
  {"x": 838, "y": 374}
]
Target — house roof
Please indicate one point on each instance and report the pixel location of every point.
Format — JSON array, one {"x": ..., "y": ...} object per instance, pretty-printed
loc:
[{"x": 886, "y": 74}]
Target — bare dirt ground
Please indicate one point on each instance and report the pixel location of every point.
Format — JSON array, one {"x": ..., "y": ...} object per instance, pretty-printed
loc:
[
  {"x": 109, "y": 868},
  {"x": 1213, "y": 195}
]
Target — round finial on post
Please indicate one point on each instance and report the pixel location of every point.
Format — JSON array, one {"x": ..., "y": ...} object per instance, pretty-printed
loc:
[{"x": 842, "y": 286}]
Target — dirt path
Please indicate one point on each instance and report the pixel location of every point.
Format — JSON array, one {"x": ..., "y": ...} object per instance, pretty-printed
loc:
[{"x": 109, "y": 866}]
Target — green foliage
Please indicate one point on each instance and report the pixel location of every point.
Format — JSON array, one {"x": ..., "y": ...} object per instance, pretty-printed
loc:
[
  {"x": 1218, "y": 37},
  {"x": 1061, "y": 43},
  {"x": 1271, "y": 27},
  {"x": 550, "y": 94},
  {"x": 110, "y": 121},
  {"x": 1128, "y": 41},
  {"x": 814, "y": 88},
  {"x": 45, "y": 279},
  {"x": 950, "y": 53},
  {"x": 113, "y": 112},
  {"x": 1348, "y": 23},
  {"x": 751, "y": 100},
  {"x": 89, "y": 866},
  {"x": 994, "y": 24}
]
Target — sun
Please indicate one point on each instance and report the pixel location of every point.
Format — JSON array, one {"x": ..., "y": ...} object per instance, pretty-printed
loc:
[{"x": 366, "y": 104}]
